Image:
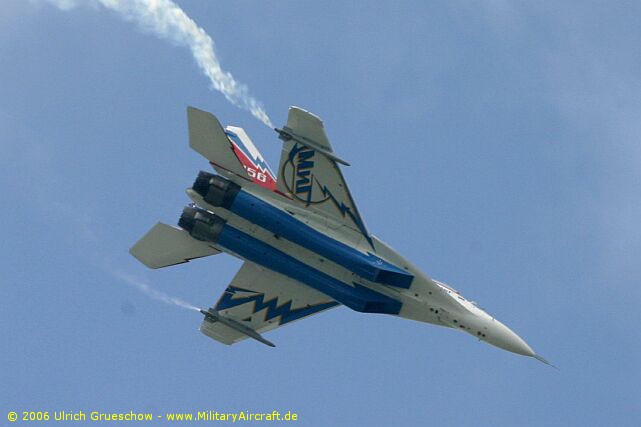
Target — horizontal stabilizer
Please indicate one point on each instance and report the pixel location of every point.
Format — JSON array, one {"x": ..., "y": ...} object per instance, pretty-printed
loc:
[{"x": 165, "y": 245}]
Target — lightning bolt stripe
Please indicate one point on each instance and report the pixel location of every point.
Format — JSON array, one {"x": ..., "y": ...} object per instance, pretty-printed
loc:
[
  {"x": 284, "y": 311},
  {"x": 257, "y": 160},
  {"x": 346, "y": 210}
]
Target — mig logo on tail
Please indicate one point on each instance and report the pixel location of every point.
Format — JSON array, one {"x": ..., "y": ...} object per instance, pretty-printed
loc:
[{"x": 299, "y": 178}]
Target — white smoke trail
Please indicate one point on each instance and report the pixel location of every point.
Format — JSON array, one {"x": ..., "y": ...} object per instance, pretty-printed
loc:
[
  {"x": 146, "y": 288},
  {"x": 167, "y": 20}
]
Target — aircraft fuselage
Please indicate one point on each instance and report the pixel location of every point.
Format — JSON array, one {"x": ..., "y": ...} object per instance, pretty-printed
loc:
[{"x": 306, "y": 248}]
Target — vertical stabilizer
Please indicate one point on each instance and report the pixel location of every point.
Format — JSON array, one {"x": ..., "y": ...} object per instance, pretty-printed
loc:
[{"x": 251, "y": 159}]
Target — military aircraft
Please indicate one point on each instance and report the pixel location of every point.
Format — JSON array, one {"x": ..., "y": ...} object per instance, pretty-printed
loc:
[{"x": 304, "y": 244}]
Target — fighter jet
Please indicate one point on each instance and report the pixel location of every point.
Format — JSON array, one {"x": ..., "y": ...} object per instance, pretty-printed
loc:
[{"x": 304, "y": 244}]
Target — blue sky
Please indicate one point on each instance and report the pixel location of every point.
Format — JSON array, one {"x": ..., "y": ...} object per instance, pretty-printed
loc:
[{"x": 495, "y": 144}]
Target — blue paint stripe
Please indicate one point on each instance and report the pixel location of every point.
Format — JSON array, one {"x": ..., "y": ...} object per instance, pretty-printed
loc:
[
  {"x": 285, "y": 311},
  {"x": 239, "y": 143},
  {"x": 369, "y": 266},
  {"x": 357, "y": 298}
]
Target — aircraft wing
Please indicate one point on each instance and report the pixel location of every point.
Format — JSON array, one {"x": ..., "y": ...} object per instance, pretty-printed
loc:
[
  {"x": 261, "y": 300},
  {"x": 309, "y": 171}
]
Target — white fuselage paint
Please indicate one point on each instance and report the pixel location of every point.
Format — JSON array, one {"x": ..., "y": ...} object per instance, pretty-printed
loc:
[{"x": 426, "y": 300}]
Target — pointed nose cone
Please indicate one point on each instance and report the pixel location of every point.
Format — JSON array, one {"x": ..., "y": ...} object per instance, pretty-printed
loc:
[{"x": 503, "y": 337}]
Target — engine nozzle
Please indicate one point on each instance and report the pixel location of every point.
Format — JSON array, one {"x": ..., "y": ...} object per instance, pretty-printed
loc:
[
  {"x": 215, "y": 190},
  {"x": 200, "y": 224}
]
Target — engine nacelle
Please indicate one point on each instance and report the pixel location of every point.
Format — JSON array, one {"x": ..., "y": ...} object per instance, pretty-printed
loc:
[
  {"x": 201, "y": 225},
  {"x": 216, "y": 190}
]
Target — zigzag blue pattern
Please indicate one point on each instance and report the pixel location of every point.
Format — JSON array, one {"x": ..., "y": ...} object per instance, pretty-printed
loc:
[
  {"x": 273, "y": 309},
  {"x": 261, "y": 163},
  {"x": 341, "y": 206},
  {"x": 344, "y": 209}
]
